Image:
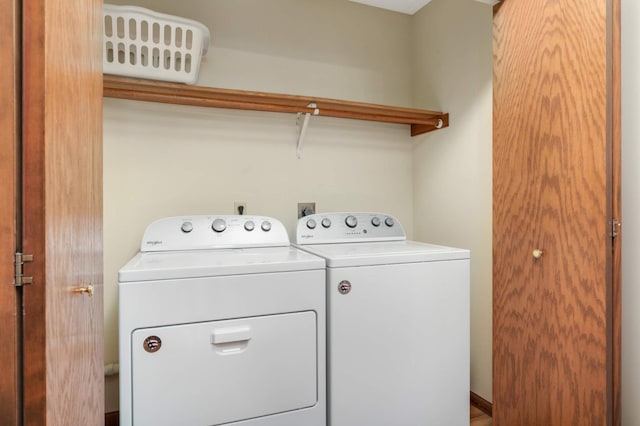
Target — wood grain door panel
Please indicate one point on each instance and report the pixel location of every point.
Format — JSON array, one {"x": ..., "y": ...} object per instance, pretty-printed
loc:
[
  {"x": 62, "y": 193},
  {"x": 552, "y": 191}
]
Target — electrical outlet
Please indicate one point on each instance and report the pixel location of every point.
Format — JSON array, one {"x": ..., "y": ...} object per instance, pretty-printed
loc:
[
  {"x": 305, "y": 209},
  {"x": 240, "y": 207}
]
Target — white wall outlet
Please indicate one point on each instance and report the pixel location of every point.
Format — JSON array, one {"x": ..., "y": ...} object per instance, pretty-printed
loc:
[
  {"x": 305, "y": 209},
  {"x": 240, "y": 207}
]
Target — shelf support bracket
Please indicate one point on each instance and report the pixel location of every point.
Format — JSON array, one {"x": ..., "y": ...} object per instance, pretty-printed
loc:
[{"x": 303, "y": 130}]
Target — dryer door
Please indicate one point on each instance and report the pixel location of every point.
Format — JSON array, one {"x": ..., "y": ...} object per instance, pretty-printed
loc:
[{"x": 224, "y": 371}]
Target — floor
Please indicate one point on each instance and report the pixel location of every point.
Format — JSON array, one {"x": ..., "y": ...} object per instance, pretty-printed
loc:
[{"x": 478, "y": 418}]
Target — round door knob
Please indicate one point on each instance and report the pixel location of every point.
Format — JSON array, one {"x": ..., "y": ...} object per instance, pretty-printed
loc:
[
  {"x": 311, "y": 224},
  {"x": 389, "y": 222},
  {"x": 537, "y": 253},
  {"x": 249, "y": 225},
  {"x": 326, "y": 222},
  {"x": 375, "y": 221},
  {"x": 88, "y": 290},
  {"x": 351, "y": 221},
  {"x": 266, "y": 226},
  {"x": 219, "y": 225}
]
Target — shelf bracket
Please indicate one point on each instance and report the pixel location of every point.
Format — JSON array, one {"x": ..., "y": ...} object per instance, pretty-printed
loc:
[{"x": 303, "y": 130}]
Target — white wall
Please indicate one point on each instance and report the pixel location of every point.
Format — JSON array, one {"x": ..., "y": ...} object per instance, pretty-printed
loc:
[
  {"x": 163, "y": 160},
  {"x": 452, "y": 168},
  {"x": 630, "y": 212}
]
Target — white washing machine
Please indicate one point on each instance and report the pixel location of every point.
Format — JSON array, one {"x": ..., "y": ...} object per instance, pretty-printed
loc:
[
  {"x": 222, "y": 322},
  {"x": 397, "y": 323}
]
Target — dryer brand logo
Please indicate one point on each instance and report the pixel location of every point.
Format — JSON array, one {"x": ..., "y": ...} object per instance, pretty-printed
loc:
[
  {"x": 344, "y": 287},
  {"x": 306, "y": 236},
  {"x": 154, "y": 242},
  {"x": 152, "y": 344}
]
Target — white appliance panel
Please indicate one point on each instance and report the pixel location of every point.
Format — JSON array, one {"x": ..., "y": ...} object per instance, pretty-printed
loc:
[
  {"x": 398, "y": 345},
  {"x": 383, "y": 253},
  {"x": 218, "y": 262},
  {"x": 206, "y": 232},
  {"x": 218, "y": 372},
  {"x": 149, "y": 304}
]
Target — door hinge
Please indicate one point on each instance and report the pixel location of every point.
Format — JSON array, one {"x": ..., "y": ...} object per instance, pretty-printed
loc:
[
  {"x": 615, "y": 227},
  {"x": 19, "y": 261}
]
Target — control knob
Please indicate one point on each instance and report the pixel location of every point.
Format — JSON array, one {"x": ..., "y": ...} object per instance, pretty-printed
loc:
[
  {"x": 311, "y": 224},
  {"x": 249, "y": 225},
  {"x": 326, "y": 222},
  {"x": 351, "y": 221},
  {"x": 375, "y": 221},
  {"x": 219, "y": 225},
  {"x": 266, "y": 226},
  {"x": 389, "y": 222},
  {"x": 186, "y": 227}
]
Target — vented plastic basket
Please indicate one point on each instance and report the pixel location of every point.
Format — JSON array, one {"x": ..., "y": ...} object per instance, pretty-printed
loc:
[{"x": 142, "y": 43}]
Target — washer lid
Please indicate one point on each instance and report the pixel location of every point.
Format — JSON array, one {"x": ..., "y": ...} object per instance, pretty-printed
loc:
[
  {"x": 167, "y": 265},
  {"x": 383, "y": 253}
]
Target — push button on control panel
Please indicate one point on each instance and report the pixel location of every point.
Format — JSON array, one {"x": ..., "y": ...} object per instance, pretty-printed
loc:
[{"x": 219, "y": 225}]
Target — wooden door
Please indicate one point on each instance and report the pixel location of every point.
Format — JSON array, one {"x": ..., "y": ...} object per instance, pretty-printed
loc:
[
  {"x": 555, "y": 352},
  {"x": 62, "y": 212},
  {"x": 9, "y": 300}
]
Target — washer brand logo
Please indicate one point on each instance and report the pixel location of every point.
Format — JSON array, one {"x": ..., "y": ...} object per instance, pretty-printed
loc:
[
  {"x": 344, "y": 287},
  {"x": 306, "y": 236},
  {"x": 154, "y": 243}
]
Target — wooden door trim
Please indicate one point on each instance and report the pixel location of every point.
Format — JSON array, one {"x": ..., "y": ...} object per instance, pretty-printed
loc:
[
  {"x": 33, "y": 183},
  {"x": 9, "y": 134},
  {"x": 615, "y": 117}
]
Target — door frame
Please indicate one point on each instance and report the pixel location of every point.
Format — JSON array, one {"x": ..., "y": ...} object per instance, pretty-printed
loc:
[{"x": 10, "y": 384}]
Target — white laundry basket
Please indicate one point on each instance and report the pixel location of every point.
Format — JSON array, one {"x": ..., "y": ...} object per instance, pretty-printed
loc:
[{"x": 142, "y": 43}]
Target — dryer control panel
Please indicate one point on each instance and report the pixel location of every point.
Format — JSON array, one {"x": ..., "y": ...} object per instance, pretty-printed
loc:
[
  {"x": 346, "y": 227},
  {"x": 213, "y": 232}
]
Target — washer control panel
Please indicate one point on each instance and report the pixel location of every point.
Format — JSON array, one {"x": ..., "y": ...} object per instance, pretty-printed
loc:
[
  {"x": 211, "y": 232},
  {"x": 342, "y": 227}
]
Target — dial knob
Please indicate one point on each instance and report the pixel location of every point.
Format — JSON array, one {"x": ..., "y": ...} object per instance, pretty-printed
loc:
[
  {"x": 249, "y": 225},
  {"x": 219, "y": 225},
  {"x": 266, "y": 226},
  {"x": 186, "y": 227},
  {"x": 389, "y": 222},
  {"x": 351, "y": 221},
  {"x": 326, "y": 222},
  {"x": 375, "y": 221},
  {"x": 311, "y": 224}
]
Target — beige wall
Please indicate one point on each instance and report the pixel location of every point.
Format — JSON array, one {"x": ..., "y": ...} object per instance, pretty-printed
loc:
[
  {"x": 162, "y": 160},
  {"x": 630, "y": 212},
  {"x": 452, "y": 168}
]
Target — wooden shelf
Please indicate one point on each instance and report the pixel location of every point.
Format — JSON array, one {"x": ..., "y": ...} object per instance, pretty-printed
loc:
[{"x": 421, "y": 121}]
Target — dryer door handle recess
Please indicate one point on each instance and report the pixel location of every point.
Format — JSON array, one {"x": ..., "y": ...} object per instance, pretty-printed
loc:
[{"x": 231, "y": 335}]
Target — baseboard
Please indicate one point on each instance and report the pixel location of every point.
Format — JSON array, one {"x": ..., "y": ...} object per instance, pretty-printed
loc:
[
  {"x": 482, "y": 404},
  {"x": 112, "y": 419}
]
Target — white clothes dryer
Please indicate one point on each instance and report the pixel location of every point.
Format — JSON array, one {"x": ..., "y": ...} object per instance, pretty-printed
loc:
[
  {"x": 222, "y": 322},
  {"x": 397, "y": 322}
]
